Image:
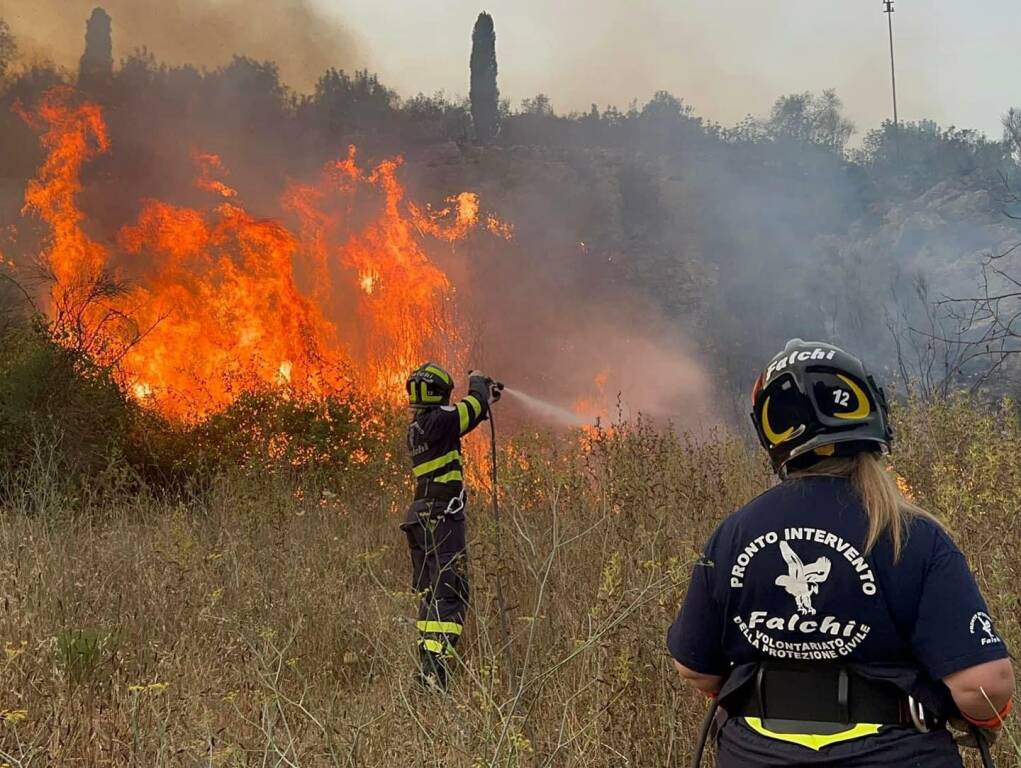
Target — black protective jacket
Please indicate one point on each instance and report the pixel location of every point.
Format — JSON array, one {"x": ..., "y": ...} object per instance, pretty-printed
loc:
[{"x": 434, "y": 442}]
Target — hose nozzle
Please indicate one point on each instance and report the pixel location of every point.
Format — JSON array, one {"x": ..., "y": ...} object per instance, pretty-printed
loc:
[{"x": 495, "y": 387}]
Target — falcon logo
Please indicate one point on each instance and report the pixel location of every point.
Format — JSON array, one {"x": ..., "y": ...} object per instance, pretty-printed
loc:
[
  {"x": 802, "y": 581},
  {"x": 981, "y": 621}
]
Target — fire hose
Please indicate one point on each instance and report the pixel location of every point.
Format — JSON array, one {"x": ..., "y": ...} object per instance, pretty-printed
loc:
[
  {"x": 703, "y": 736},
  {"x": 495, "y": 390},
  {"x": 983, "y": 748},
  {"x": 710, "y": 718}
]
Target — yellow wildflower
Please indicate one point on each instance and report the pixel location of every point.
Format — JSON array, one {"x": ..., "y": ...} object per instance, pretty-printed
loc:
[
  {"x": 150, "y": 688},
  {"x": 13, "y": 716},
  {"x": 13, "y": 651}
]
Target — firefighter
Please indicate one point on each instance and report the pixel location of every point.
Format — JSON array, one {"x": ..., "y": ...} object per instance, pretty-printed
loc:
[
  {"x": 435, "y": 521},
  {"x": 836, "y": 622}
]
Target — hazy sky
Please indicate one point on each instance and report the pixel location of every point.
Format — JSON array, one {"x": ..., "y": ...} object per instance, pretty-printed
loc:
[{"x": 957, "y": 62}]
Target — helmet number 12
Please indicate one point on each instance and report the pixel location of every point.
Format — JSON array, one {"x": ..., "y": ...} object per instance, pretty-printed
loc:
[{"x": 841, "y": 397}]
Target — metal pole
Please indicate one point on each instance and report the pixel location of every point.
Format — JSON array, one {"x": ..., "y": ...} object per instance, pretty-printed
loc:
[{"x": 893, "y": 70}]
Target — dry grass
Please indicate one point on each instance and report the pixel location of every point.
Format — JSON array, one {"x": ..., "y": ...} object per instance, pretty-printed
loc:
[{"x": 256, "y": 625}]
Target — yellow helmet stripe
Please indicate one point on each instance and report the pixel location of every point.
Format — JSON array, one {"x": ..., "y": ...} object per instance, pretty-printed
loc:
[
  {"x": 774, "y": 437},
  {"x": 439, "y": 372},
  {"x": 863, "y": 408}
]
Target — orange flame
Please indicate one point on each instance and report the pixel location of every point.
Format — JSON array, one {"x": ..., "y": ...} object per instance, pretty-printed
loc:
[
  {"x": 71, "y": 137},
  {"x": 594, "y": 405},
  {"x": 221, "y": 302},
  {"x": 208, "y": 165}
]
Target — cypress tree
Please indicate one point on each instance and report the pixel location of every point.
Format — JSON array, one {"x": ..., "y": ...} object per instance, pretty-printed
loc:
[
  {"x": 485, "y": 96},
  {"x": 95, "y": 69}
]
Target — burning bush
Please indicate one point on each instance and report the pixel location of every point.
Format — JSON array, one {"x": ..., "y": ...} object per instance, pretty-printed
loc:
[
  {"x": 314, "y": 441},
  {"x": 193, "y": 307},
  {"x": 64, "y": 416}
]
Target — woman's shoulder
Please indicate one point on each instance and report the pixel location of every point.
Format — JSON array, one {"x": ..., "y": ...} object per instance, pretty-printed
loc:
[{"x": 926, "y": 537}]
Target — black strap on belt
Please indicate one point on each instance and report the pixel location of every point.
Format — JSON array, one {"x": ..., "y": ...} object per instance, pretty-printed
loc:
[
  {"x": 818, "y": 692},
  {"x": 425, "y": 488}
]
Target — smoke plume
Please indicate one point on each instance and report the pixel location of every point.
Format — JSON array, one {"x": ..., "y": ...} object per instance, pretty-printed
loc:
[{"x": 294, "y": 33}]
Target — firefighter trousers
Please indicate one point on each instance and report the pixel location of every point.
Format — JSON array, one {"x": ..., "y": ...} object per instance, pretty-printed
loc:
[{"x": 439, "y": 554}]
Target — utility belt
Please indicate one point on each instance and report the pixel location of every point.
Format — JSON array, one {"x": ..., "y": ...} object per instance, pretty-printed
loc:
[
  {"x": 826, "y": 693},
  {"x": 435, "y": 508},
  {"x": 427, "y": 489}
]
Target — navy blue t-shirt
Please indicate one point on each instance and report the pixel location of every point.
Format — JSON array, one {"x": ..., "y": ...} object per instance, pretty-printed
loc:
[{"x": 784, "y": 577}]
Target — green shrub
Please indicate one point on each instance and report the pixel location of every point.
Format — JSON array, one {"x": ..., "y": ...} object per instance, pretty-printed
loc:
[
  {"x": 55, "y": 400},
  {"x": 64, "y": 419},
  {"x": 82, "y": 653}
]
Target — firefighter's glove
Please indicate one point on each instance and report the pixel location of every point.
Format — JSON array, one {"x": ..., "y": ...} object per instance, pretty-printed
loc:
[{"x": 495, "y": 388}]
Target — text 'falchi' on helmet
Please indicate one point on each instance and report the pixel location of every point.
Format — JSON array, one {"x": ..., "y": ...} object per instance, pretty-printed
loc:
[
  {"x": 814, "y": 401},
  {"x": 429, "y": 385}
]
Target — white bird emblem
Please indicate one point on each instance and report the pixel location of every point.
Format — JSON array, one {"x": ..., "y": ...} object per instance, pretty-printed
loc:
[
  {"x": 802, "y": 581},
  {"x": 987, "y": 626}
]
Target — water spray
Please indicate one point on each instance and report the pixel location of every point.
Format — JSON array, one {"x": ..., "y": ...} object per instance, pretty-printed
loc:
[{"x": 548, "y": 410}]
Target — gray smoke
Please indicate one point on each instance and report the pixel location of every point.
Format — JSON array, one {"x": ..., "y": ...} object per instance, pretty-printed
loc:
[{"x": 296, "y": 34}]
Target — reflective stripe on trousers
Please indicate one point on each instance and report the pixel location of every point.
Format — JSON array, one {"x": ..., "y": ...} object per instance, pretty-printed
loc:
[{"x": 437, "y": 543}]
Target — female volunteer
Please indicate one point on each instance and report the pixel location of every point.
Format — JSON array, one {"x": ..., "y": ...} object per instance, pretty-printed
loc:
[{"x": 838, "y": 624}]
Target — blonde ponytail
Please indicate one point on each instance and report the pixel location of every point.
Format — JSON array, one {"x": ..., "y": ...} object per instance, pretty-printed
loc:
[{"x": 889, "y": 512}]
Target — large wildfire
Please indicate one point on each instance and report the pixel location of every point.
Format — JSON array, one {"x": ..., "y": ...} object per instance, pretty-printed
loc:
[{"x": 194, "y": 307}]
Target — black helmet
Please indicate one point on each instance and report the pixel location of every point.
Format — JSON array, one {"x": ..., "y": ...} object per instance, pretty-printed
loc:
[
  {"x": 429, "y": 385},
  {"x": 814, "y": 401}
]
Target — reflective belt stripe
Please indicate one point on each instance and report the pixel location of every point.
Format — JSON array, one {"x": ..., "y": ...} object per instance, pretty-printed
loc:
[
  {"x": 432, "y": 466},
  {"x": 441, "y": 627},
  {"x": 475, "y": 405},
  {"x": 812, "y": 740},
  {"x": 462, "y": 413},
  {"x": 449, "y": 477}
]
